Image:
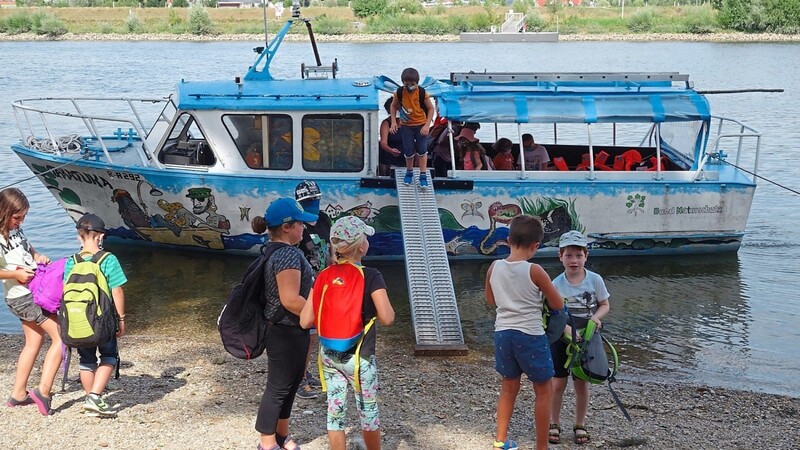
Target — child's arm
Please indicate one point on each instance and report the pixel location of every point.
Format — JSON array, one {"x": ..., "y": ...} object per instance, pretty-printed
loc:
[
  {"x": 393, "y": 114},
  {"x": 307, "y": 314},
  {"x": 383, "y": 307},
  {"x": 119, "y": 304},
  {"x": 384, "y": 141},
  {"x": 38, "y": 257},
  {"x": 289, "y": 290},
  {"x": 602, "y": 310},
  {"x": 429, "y": 118},
  {"x": 488, "y": 287},
  {"x": 22, "y": 275},
  {"x": 542, "y": 280}
]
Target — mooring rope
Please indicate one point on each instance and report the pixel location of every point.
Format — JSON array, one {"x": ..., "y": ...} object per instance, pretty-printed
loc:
[
  {"x": 71, "y": 161},
  {"x": 763, "y": 178}
]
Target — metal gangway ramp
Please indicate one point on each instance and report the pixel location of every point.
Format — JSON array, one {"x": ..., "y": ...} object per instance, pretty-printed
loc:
[{"x": 434, "y": 311}]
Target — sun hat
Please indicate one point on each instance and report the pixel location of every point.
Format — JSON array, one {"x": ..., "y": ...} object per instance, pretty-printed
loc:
[
  {"x": 571, "y": 238},
  {"x": 285, "y": 210},
  {"x": 350, "y": 228},
  {"x": 91, "y": 222}
]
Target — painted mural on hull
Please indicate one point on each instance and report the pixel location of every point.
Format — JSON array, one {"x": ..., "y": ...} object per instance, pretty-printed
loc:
[{"x": 170, "y": 210}]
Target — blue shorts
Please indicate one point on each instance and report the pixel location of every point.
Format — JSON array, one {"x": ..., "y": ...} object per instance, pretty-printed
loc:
[
  {"x": 413, "y": 141},
  {"x": 516, "y": 353},
  {"x": 108, "y": 355}
]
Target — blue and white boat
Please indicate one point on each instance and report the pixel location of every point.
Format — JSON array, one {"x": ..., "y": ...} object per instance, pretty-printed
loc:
[{"x": 211, "y": 156}]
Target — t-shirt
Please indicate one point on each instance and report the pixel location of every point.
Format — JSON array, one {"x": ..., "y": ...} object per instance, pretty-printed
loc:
[
  {"x": 411, "y": 112},
  {"x": 518, "y": 299},
  {"x": 15, "y": 252},
  {"x": 582, "y": 299},
  {"x": 110, "y": 267},
  {"x": 284, "y": 258},
  {"x": 373, "y": 281},
  {"x": 536, "y": 158},
  {"x": 315, "y": 244},
  {"x": 504, "y": 161}
]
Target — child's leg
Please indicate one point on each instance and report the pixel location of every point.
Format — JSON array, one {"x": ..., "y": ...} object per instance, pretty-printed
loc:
[
  {"x": 108, "y": 361},
  {"x": 541, "y": 412},
  {"x": 52, "y": 359},
  {"x": 505, "y": 406},
  {"x": 34, "y": 337},
  {"x": 335, "y": 371},
  {"x": 559, "y": 385},
  {"x": 367, "y": 403},
  {"x": 407, "y": 135},
  {"x": 87, "y": 364},
  {"x": 581, "y": 400}
]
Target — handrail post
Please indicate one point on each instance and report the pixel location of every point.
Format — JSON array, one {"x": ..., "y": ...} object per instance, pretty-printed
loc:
[
  {"x": 657, "y": 130},
  {"x": 50, "y": 135},
  {"x": 522, "y": 175},
  {"x": 592, "y": 175}
]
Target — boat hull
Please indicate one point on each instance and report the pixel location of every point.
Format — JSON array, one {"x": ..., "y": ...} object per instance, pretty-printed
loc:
[{"x": 621, "y": 216}]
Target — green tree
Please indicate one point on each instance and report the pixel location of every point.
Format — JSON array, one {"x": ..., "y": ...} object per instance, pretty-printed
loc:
[{"x": 367, "y": 8}]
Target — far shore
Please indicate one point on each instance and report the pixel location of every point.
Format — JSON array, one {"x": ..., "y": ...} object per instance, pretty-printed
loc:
[{"x": 366, "y": 38}]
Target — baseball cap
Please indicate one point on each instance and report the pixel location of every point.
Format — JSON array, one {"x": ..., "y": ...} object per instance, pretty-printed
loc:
[
  {"x": 350, "y": 228},
  {"x": 573, "y": 237},
  {"x": 91, "y": 222},
  {"x": 285, "y": 210},
  {"x": 307, "y": 190}
]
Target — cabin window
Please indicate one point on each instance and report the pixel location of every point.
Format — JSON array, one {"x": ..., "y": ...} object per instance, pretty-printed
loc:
[
  {"x": 333, "y": 142},
  {"x": 250, "y": 132},
  {"x": 186, "y": 144}
]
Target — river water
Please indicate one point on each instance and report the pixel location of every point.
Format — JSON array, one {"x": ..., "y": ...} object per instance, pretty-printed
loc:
[{"x": 728, "y": 320}]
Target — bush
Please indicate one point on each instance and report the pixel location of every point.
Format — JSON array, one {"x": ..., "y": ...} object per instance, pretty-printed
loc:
[
  {"x": 200, "y": 22},
  {"x": 642, "y": 22},
  {"x": 783, "y": 16},
  {"x": 700, "y": 21},
  {"x": 133, "y": 24},
  {"x": 482, "y": 21},
  {"x": 17, "y": 23},
  {"x": 180, "y": 3},
  {"x": 332, "y": 25},
  {"x": 368, "y": 8},
  {"x": 174, "y": 18},
  {"x": 403, "y": 7},
  {"x": 534, "y": 22},
  {"x": 50, "y": 25},
  {"x": 742, "y": 15}
]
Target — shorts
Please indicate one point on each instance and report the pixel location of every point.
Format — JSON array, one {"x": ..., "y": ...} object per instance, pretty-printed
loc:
[
  {"x": 108, "y": 355},
  {"x": 558, "y": 349},
  {"x": 24, "y": 308},
  {"x": 516, "y": 353},
  {"x": 413, "y": 141}
]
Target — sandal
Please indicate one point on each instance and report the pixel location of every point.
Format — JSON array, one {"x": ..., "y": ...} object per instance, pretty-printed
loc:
[
  {"x": 289, "y": 438},
  {"x": 509, "y": 444},
  {"x": 274, "y": 447},
  {"x": 581, "y": 435},
  {"x": 554, "y": 435}
]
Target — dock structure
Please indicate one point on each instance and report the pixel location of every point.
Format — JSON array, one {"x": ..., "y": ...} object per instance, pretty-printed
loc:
[
  {"x": 434, "y": 310},
  {"x": 513, "y": 29}
]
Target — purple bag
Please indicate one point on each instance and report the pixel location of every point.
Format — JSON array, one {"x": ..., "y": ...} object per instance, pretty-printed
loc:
[{"x": 47, "y": 285}]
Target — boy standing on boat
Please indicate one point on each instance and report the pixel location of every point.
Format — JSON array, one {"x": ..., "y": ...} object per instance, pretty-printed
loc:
[
  {"x": 316, "y": 249},
  {"x": 416, "y": 112},
  {"x": 520, "y": 344},
  {"x": 587, "y": 299}
]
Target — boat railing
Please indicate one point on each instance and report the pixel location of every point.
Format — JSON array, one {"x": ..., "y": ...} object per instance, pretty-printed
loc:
[
  {"x": 131, "y": 119},
  {"x": 742, "y": 133}
]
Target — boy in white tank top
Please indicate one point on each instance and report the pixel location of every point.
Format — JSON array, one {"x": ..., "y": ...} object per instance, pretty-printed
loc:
[{"x": 520, "y": 344}]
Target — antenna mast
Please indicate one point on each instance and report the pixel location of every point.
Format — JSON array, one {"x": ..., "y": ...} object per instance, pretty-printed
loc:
[{"x": 266, "y": 33}]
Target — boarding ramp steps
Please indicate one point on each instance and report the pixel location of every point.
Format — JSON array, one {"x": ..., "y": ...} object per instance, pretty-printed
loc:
[
  {"x": 514, "y": 23},
  {"x": 434, "y": 310}
]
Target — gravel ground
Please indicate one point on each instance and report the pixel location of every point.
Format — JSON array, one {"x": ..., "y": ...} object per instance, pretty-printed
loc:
[
  {"x": 179, "y": 394},
  {"x": 711, "y": 37}
]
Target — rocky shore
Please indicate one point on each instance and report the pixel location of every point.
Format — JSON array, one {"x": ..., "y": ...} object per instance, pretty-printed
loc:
[
  {"x": 180, "y": 394},
  {"x": 619, "y": 37}
]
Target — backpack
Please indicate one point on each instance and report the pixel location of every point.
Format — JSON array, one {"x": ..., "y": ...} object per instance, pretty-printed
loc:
[
  {"x": 588, "y": 360},
  {"x": 554, "y": 322},
  {"x": 421, "y": 91},
  {"x": 242, "y": 323},
  {"x": 87, "y": 317},
  {"x": 47, "y": 285}
]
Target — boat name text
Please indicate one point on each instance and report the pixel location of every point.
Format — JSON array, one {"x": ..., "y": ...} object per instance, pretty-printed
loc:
[
  {"x": 80, "y": 176},
  {"x": 688, "y": 210}
]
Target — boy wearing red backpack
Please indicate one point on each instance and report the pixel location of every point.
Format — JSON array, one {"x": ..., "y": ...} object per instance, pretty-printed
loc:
[{"x": 347, "y": 292}]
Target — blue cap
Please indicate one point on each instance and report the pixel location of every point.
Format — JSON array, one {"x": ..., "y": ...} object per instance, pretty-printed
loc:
[{"x": 285, "y": 210}]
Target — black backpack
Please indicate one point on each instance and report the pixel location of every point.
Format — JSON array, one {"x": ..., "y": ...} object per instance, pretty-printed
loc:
[
  {"x": 421, "y": 91},
  {"x": 242, "y": 324}
]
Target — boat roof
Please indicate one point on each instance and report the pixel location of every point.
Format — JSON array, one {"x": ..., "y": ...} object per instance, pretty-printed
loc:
[
  {"x": 282, "y": 95},
  {"x": 570, "y": 98}
]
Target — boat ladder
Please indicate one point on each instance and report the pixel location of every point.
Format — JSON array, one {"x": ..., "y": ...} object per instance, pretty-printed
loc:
[{"x": 434, "y": 311}]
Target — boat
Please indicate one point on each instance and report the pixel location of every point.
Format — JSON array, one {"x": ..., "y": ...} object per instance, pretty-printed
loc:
[{"x": 648, "y": 170}]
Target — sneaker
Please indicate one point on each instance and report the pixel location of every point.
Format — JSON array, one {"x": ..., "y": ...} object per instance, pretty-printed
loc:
[
  {"x": 306, "y": 392},
  {"x": 12, "y": 402},
  {"x": 409, "y": 178},
  {"x": 94, "y": 405},
  {"x": 41, "y": 401},
  {"x": 312, "y": 380},
  {"x": 509, "y": 444},
  {"x": 423, "y": 181}
]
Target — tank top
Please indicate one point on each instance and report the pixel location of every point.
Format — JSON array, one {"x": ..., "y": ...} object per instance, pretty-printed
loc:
[{"x": 519, "y": 301}]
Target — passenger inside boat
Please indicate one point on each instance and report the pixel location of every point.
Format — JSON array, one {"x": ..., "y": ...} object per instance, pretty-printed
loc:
[
  {"x": 250, "y": 132},
  {"x": 536, "y": 155},
  {"x": 186, "y": 145}
]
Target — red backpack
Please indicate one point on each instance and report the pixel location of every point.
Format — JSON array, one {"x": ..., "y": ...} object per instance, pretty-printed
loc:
[{"x": 338, "y": 301}]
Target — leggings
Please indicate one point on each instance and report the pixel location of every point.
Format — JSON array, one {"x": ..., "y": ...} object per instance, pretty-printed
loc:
[
  {"x": 287, "y": 347},
  {"x": 338, "y": 370}
]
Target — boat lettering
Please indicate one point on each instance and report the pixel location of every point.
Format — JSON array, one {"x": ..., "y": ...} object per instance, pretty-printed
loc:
[
  {"x": 688, "y": 210},
  {"x": 79, "y": 176},
  {"x": 125, "y": 175}
]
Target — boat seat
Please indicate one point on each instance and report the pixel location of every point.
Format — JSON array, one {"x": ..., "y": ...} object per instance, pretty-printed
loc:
[{"x": 560, "y": 163}]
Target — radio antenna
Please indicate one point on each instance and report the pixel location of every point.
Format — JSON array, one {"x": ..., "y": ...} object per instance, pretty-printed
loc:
[{"x": 266, "y": 33}]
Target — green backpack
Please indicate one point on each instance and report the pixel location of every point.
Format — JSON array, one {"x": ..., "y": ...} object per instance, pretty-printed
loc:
[
  {"x": 87, "y": 316},
  {"x": 588, "y": 359}
]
